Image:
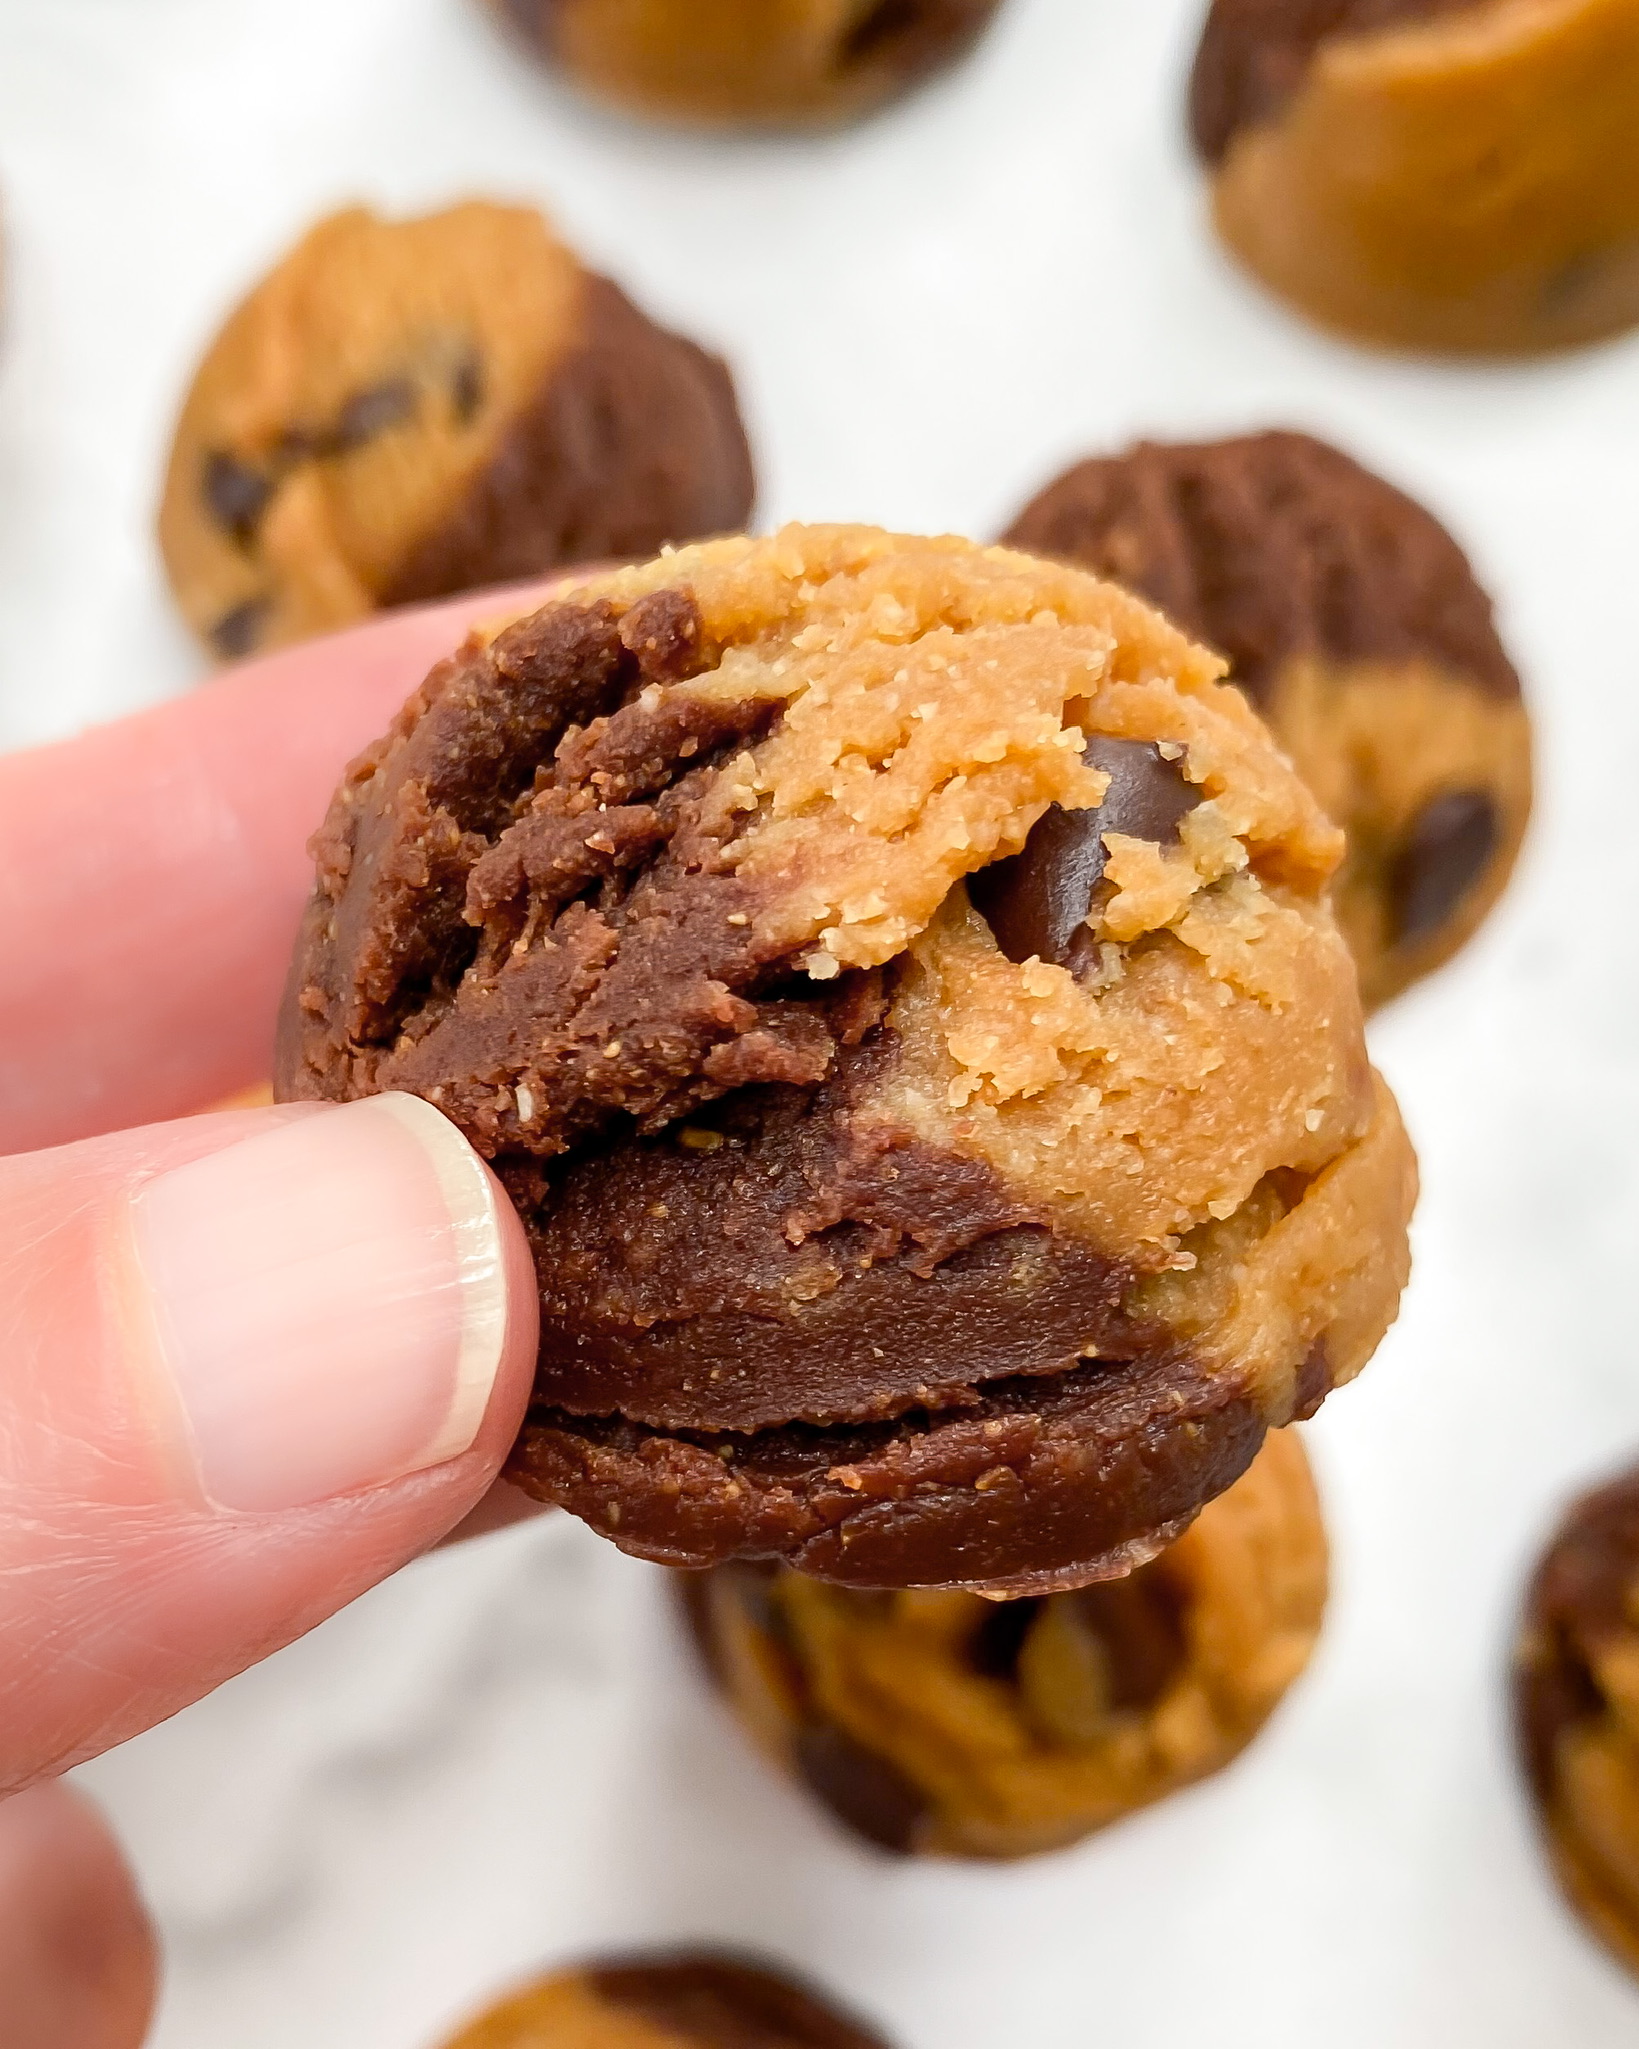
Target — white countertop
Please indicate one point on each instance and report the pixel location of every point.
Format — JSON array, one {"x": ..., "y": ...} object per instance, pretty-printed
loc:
[{"x": 501, "y": 1758}]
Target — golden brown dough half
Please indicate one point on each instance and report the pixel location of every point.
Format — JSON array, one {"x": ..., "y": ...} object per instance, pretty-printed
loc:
[
  {"x": 942, "y": 1724},
  {"x": 1436, "y": 174},
  {"x": 750, "y": 63},
  {"x": 895, "y": 981},
  {"x": 405, "y": 409}
]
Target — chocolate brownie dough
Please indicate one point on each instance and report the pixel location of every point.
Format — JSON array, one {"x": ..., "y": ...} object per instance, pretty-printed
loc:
[
  {"x": 945, "y": 1724},
  {"x": 750, "y": 63},
  {"x": 405, "y": 409},
  {"x": 1576, "y": 1678},
  {"x": 1352, "y": 620},
  {"x": 694, "y": 2000},
  {"x": 1437, "y": 174},
  {"x": 870, "y": 1236}
]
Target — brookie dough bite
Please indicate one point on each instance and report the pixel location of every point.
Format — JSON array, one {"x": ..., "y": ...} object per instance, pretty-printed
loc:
[
  {"x": 944, "y": 1724},
  {"x": 406, "y": 409},
  {"x": 1576, "y": 1679},
  {"x": 1436, "y": 174},
  {"x": 750, "y": 63},
  {"x": 689, "y": 2001},
  {"x": 1352, "y": 620},
  {"x": 895, "y": 982}
]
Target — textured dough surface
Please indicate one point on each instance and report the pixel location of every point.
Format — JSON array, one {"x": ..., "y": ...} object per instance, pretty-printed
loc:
[
  {"x": 862, "y": 1239},
  {"x": 944, "y": 1724},
  {"x": 405, "y": 409},
  {"x": 1467, "y": 181},
  {"x": 751, "y": 63},
  {"x": 1576, "y": 1678},
  {"x": 1353, "y": 621}
]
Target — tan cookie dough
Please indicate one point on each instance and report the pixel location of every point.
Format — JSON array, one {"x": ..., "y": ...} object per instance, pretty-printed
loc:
[
  {"x": 694, "y": 2000},
  {"x": 895, "y": 981},
  {"x": 943, "y": 1724},
  {"x": 1435, "y": 174},
  {"x": 1354, "y": 623},
  {"x": 750, "y": 63},
  {"x": 1576, "y": 1680},
  {"x": 406, "y": 409}
]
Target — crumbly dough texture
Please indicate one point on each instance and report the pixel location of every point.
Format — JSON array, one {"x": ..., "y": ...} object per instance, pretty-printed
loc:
[
  {"x": 1576, "y": 1678},
  {"x": 863, "y": 1243},
  {"x": 686, "y": 2001},
  {"x": 750, "y": 63},
  {"x": 1354, "y": 623},
  {"x": 1429, "y": 174},
  {"x": 404, "y": 409},
  {"x": 943, "y": 1724}
]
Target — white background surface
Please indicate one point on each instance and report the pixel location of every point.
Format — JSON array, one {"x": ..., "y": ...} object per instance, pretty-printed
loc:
[{"x": 501, "y": 1758}]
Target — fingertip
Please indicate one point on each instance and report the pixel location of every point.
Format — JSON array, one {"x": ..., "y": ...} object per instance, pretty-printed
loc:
[{"x": 79, "y": 1964}]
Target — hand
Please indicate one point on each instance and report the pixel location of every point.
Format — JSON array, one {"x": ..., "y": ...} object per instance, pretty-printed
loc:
[{"x": 250, "y": 1362}]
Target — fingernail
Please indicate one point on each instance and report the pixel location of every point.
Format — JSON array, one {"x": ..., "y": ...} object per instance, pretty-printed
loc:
[{"x": 330, "y": 1300}]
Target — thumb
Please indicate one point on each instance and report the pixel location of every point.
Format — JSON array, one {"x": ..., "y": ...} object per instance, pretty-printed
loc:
[{"x": 249, "y": 1365}]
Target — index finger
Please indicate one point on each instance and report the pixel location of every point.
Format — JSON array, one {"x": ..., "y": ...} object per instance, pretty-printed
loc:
[{"x": 153, "y": 872}]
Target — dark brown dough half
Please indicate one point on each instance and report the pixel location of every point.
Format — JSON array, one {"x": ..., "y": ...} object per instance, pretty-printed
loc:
[
  {"x": 1254, "y": 53},
  {"x": 1355, "y": 624},
  {"x": 702, "y": 1998}
]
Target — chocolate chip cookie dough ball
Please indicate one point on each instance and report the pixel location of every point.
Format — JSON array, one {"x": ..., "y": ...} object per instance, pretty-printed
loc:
[
  {"x": 1352, "y": 620},
  {"x": 1576, "y": 1678},
  {"x": 895, "y": 982},
  {"x": 690, "y": 2001},
  {"x": 751, "y": 63},
  {"x": 945, "y": 1724},
  {"x": 405, "y": 409},
  {"x": 1436, "y": 174}
]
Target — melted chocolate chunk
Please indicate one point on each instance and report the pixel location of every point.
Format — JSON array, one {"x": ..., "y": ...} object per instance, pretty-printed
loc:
[
  {"x": 914, "y": 37},
  {"x": 1140, "y": 1623},
  {"x": 723, "y": 2002},
  {"x": 369, "y": 414},
  {"x": 1037, "y": 903},
  {"x": 867, "y": 1792},
  {"x": 1271, "y": 546},
  {"x": 237, "y": 632},
  {"x": 1446, "y": 850},
  {"x": 236, "y": 493},
  {"x": 1255, "y": 54},
  {"x": 467, "y": 389},
  {"x": 997, "y": 1642}
]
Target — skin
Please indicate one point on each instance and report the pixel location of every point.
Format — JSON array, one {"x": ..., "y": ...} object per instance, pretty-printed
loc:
[{"x": 152, "y": 873}]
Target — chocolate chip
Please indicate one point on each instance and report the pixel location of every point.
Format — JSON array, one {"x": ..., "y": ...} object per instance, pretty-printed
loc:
[
  {"x": 997, "y": 1642},
  {"x": 369, "y": 414},
  {"x": 237, "y": 632},
  {"x": 467, "y": 389},
  {"x": 1036, "y": 903},
  {"x": 1139, "y": 1621},
  {"x": 867, "y": 1792},
  {"x": 236, "y": 494},
  {"x": 881, "y": 24},
  {"x": 1445, "y": 851}
]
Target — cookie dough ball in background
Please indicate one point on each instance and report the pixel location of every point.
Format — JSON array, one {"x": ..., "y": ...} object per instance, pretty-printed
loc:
[
  {"x": 1352, "y": 620},
  {"x": 1576, "y": 1679},
  {"x": 1434, "y": 174},
  {"x": 689, "y": 2001},
  {"x": 895, "y": 981},
  {"x": 406, "y": 409},
  {"x": 750, "y": 63},
  {"x": 943, "y": 1724}
]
